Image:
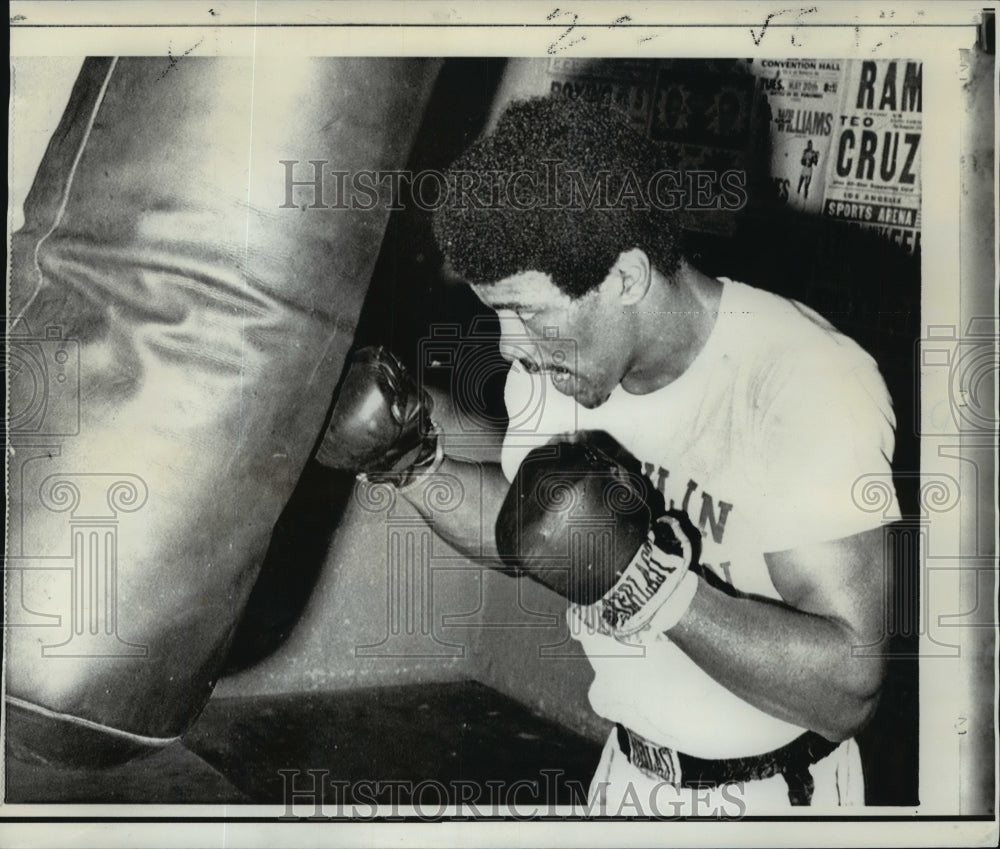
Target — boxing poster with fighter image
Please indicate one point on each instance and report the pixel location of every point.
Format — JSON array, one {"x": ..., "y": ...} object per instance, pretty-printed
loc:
[{"x": 802, "y": 99}]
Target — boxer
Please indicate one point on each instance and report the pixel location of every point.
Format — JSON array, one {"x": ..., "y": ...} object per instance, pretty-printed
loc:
[{"x": 724, "y": 409}]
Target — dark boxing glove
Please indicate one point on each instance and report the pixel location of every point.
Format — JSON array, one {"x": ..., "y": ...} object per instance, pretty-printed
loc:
[
  {"x": 582, "y": 519},
  {"x": 381, "y": 424}
]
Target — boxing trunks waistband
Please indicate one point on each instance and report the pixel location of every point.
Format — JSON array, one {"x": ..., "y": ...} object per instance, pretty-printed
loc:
[{"x": 791, "y": 762}]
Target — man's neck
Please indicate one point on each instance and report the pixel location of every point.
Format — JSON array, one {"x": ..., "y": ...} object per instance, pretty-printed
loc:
[{"x": 673, "y": 323}]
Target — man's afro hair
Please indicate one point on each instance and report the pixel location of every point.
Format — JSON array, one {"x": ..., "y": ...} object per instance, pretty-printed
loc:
[{"x": 566, "y": 145}]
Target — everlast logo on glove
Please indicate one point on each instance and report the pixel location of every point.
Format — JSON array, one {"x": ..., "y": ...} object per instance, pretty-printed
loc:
[
  {"x": 649, "y": 580},
  {"x": 639, "y": 583}
]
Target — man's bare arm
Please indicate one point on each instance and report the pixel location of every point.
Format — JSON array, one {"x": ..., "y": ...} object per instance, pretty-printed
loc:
[
  {"x": 470, "y": 526},
  {"x": 794, "y": 659}
]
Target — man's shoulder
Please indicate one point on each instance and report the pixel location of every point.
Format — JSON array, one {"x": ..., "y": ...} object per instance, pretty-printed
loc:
[
  {"x": 787, "y": 353},
  {"x": 779, "y": 327}
]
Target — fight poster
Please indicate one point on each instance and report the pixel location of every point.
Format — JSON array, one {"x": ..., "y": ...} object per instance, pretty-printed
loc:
[
  {"x": 873, "y": 172},
  {"x": 625, "y": 84},
  {"x": 802, "y": 98},
  {"x": 703, "y": 118}
]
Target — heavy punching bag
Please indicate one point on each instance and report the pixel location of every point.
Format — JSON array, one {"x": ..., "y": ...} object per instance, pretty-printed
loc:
[{"x": 183, "y": 294}]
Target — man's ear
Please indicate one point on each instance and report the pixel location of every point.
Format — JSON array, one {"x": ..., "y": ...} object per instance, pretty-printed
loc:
[{"x": 633, "y": 274}]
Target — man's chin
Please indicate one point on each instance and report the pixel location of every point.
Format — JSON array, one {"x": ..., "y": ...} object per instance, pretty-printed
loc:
[
  {"x": 586, "y": 399},
  {"x": 590, "y": 400},
  {"x": 593, "y": 403}
]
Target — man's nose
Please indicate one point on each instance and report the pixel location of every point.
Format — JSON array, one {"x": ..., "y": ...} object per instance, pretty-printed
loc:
[
  {"x": 515, "y": 344},
  {"x": 521, "y": 351}
]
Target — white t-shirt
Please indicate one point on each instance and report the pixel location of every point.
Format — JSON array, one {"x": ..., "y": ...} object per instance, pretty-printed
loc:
[{"x": 761, "y": 442}]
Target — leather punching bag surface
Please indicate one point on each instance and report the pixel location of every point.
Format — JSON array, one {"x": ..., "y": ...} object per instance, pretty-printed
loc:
[{"x": 175, "y": 339}]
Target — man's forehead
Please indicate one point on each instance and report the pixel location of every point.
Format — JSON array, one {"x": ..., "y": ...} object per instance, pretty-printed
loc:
[{"x": 526, "y": 289}]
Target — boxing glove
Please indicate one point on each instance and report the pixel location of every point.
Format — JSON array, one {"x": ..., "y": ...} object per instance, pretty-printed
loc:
[
  {"x": 582, "y": 519},
  {"x": 381, "y": 424}
]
